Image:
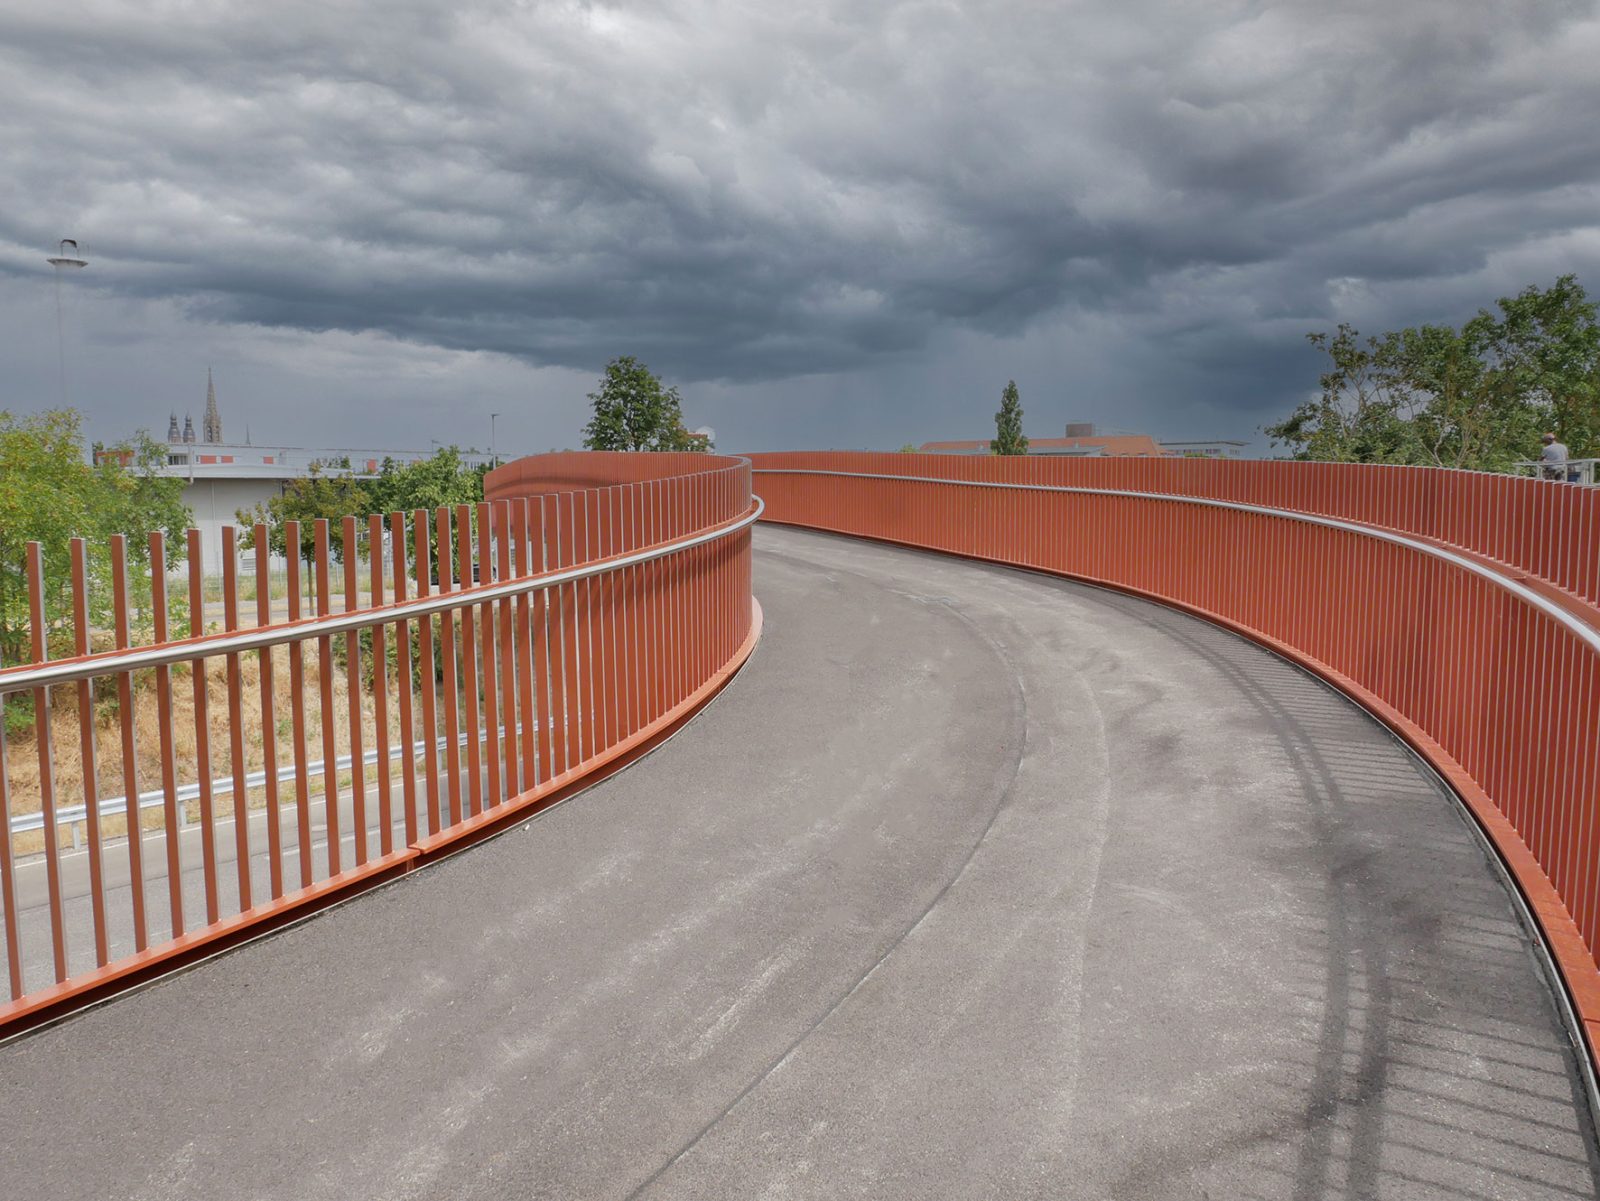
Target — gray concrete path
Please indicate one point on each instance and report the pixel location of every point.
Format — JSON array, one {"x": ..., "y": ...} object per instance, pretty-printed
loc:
[{"x": 972, "y": 885}]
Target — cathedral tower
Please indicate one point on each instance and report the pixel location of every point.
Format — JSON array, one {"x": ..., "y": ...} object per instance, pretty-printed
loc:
[{"x": 213, "y": 420}]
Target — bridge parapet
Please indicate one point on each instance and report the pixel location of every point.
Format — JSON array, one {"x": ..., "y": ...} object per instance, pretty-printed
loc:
[
  {"x": 479, "y": 662},
  {"x": 1459, "y": 608}
]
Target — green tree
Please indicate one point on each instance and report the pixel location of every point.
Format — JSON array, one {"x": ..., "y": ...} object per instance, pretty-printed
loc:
[
  {"x": 634, "y": 411},
  {"x": 50, "y": 493},
  {"x": 441, "y": 479},
  {"x": 334, "y": 492},
  {"x": 1544, "y": 346},
  {"x": 1008, "y": 439},
  {"x": 908, "y": 449},
  {"x": 328, "y": 491},
  {"x": 1476, "y": 397}
]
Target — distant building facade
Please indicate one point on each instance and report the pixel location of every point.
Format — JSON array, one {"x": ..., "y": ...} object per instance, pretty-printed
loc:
[
  {"x": 1083, "y": 441},
  {"x": 222, "y": 478},
  {"x": 1217, "y": 448}
]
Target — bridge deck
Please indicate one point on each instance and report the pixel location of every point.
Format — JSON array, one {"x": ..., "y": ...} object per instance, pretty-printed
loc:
[{"x": 973, "y": 884}]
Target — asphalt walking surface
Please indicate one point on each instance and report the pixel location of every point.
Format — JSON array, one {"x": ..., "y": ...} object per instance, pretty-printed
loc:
[{"x": 972, "y": 884}]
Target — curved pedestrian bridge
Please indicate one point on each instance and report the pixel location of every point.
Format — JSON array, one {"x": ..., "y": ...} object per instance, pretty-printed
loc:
[{"x": 972, "y": 884}]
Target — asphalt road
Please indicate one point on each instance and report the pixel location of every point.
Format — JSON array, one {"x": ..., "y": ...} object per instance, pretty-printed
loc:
[{"x": 972, "y": 884}]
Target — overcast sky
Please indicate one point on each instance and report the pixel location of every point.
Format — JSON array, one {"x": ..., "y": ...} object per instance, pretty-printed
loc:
[{"x": 840, "y": 224}]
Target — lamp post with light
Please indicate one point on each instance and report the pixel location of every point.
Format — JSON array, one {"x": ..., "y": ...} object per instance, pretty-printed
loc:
[{"x": 65, "y": 259}]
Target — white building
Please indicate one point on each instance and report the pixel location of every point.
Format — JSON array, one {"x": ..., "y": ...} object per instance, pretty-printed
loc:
[{"x": 222, "y": 479}]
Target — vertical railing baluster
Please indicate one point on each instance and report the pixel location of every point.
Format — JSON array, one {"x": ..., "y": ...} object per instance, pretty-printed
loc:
[
  {"x": 429, "y": 681},
  {"x": 509, "y": 663},
  {"x": 8, "y": 881},
  {"x": 447, "y": 648},
  {"x": 353, "y": 706},
  {"x": 123, "y": 634},
  {"x": 330, "y": 746},
  {"x": 380, "y": 688},
  {"x": 469, "y": 663},
  {"x": 546, "y": 635},
  {"x": 88, "y": 757},
  {"x": 402, "y": 677},
  {"x": 269, "y": 713},
  {"x": 297, "y": 711},
  {"x": 172, "y": 815},
  {"x": 236, "y": 748},
  {"x": 529, "y": 613},
  {"x": 202, "y": 727},
  {"x": 491, "y": 708}
]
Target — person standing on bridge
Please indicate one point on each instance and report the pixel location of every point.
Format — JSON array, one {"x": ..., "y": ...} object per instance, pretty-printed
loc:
[{"x": 1554, "y": 458}]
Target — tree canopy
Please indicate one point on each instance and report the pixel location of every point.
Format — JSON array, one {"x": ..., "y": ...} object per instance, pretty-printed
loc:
[
  {"x": 50, "y": 493},
  {"x": 1475, "y": 397},
  {"x": 633, "y": 410},
  {"x": 333, "y": 492},
  {"x": 1008, "y": 439}
]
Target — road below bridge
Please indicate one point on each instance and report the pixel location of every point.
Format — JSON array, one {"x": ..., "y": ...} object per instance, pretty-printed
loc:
[{"x": 973, "y": 884}]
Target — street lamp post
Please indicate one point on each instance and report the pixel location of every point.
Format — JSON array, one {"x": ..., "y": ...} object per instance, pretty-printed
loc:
[
  {"x": 493, "y": 458},
  {"x": 65, "y": 259}
]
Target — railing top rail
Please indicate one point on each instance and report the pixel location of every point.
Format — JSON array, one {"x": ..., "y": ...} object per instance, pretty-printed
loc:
[
  {"x": 65, "y": 671},
  {"x": 1586, "y": 632},
  {"x": 566, "y": 470}
]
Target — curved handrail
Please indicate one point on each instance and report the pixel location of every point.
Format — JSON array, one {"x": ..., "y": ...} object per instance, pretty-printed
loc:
[
  {"x": 67, "y": 671},
  {"x": 613, "y": 612},
  {"x": 1500, "y": 579},
  {"x": 1462, "y": 680}
]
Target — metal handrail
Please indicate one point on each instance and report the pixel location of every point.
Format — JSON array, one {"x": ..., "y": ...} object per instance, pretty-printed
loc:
[
  {"x": 1584, "y": 469},
  {"x": 1549, "y": 608},
  {"x": 66, "y": 671}
]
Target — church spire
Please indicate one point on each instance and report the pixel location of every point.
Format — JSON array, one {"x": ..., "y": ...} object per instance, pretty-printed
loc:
[
  {"x": 213, "y": 420},
  {"x": 172, "y": 430}
]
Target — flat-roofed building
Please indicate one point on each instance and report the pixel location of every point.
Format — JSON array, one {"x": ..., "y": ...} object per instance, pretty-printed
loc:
[{"x": 223, "y": 478}]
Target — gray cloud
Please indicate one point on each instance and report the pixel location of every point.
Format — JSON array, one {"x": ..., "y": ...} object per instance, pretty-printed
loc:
[{"x": 836, "y": 201}]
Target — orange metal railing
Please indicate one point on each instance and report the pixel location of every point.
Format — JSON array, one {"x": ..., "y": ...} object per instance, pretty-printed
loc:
[
  {"x": 1458, "y": 607},
  {"x": 481, "y": 661}
]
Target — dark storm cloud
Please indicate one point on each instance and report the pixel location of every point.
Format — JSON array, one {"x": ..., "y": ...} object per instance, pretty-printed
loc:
[{"x": 750, "y": 193}]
